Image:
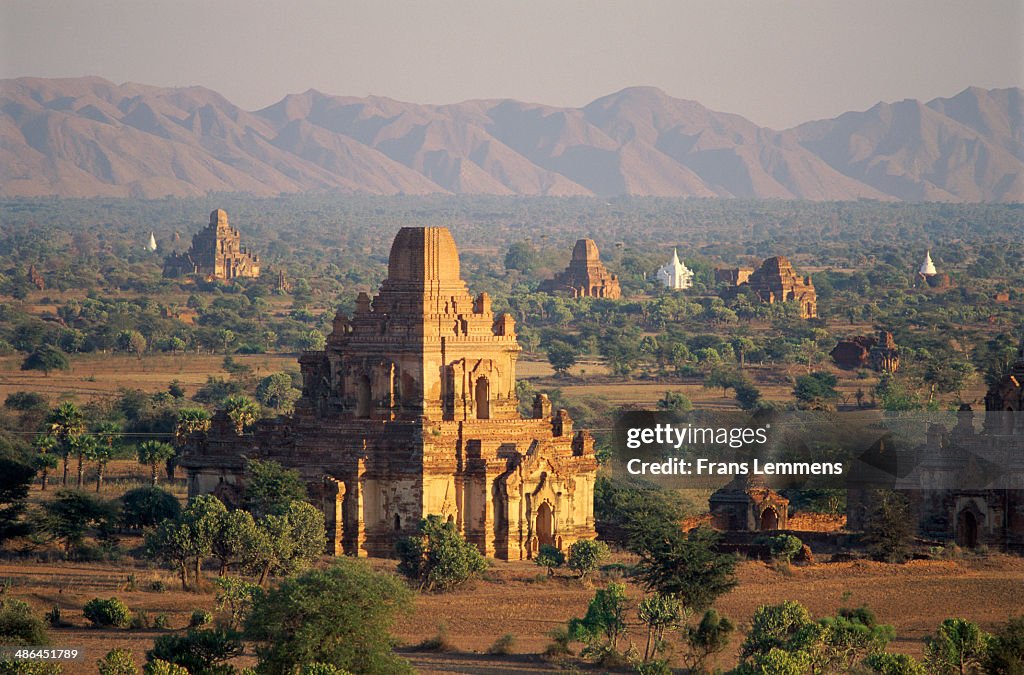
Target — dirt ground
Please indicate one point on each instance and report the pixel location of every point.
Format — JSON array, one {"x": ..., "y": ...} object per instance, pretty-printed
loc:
[{"x": 517, "y": 599}]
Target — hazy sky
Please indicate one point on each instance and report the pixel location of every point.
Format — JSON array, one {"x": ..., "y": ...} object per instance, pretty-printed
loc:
[{"x": 777, "y": 63}]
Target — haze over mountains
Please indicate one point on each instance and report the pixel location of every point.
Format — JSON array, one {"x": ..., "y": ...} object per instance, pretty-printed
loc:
[{"x": 86, "y": 137}]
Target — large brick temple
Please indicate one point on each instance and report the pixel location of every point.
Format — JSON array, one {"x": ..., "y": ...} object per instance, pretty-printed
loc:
[
  {"x": 411, "y": 410},
  {"x": 216, "y": 253}
]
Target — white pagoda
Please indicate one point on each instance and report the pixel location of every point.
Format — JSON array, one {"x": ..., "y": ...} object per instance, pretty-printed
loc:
[
  {"x": 675, "y": 274},
  {"x": 151, "y": 244},
  {"x": 928, "y": 267}
]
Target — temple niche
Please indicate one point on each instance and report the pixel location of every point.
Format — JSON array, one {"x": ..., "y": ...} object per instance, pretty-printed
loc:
[
  {"x": 776, "y": 281},
  {"x": 216, "y": 253},
  {"x": 586, "y": 276},
  {"x": 411, "y": 410}
]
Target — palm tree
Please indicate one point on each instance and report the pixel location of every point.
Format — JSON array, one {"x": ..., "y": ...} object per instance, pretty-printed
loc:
[
  {"x": 190, "y": 421},
  {"x": 84, "y": 446},
  {"x": 66, "y": 421},
  {"x": 242, "y": 411},
  {"x": 152, "y": 453},
  {"x": 106, "y": 436},
  {"x": 45, "y": 459}
]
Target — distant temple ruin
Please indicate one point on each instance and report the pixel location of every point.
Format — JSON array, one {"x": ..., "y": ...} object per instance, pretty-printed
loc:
[
  {"x": 410, "y": 411},
  {"x": 878, "y": 353},
  {"x": 776, "y": 281},
  {"x": 586, "y": 276},
  {"x": 733, "y": 276},
  {"x": 216, "y": 253}
]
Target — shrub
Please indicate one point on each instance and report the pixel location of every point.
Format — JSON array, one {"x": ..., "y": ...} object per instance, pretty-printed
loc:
[
  {"x": 20, "y": 626},
  {"x": 503, "y": 645},
  {"x": 161, "y": 667},
  {"x": 439, "y": 558},
  {"x": 1006, "y": 648},
  {"x": 199, "y": 652},
  {"x": 784, "y": 547},
  {"x": 117, "y": 662},
  {"x": 958, "y": 644},
  {"x": 550, "y": 557},
  {"x": 604, "y": 623},
  {"x": 585, "y": 556},
  {"x": 162, "y": 621},
  {"x": 894, "y": 664},
  {"x": 200, "y": 617},
  {"x": 110, "y": 612}
]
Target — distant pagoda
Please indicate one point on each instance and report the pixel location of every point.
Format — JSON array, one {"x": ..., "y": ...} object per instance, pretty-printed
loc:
[
  {"x": 216, "y": 253},
  {"x": 675, "y": 274},
  {"x": 586, "y": 276}
]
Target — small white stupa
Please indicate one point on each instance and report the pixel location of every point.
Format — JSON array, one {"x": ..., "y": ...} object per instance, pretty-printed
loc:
[
  {"x": 151, "y": 246},
  {"x": 675, "y": 274},
  {"x": 928, "y": 267}
]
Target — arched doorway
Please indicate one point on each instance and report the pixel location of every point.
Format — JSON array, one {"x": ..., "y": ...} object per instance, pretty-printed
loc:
[
  {"x": 770, "y": 519},
  {"x": 363, "y": 396},
  {"x": 482, "y": 394},
  {"x": 967, "y": 529},
  {"x": 545, "y": 525}
]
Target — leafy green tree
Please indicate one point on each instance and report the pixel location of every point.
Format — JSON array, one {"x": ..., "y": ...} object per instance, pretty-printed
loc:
[
  {"x": 201, "y": 520},
  {"x": 816, "y": 391},
  {"x": 236, "y": 597},
  {"x": 709, "y": 637},
  {"x": 687, "y": 566},
  {"x": 15, "y": 480},
  {"x": 313, "y": 341},
  {"x": 153, "y": 453},
  {"x": 242, "y": 412},
  {"x": 724, "y": 378},
  {"x": 20, "y": 626},
  {"x": 190, "y": 421},
  {"x": 439, "y": 558},
  {"x": 675, "y": 401},
  {"x": 561, "y": 356},
  {"x": 550, "y": 557},
  {"x": 71, "y": 514},
  {"x": 302, "y": 622},
  {"x": 82, "y": 446},
  {"x": 287, "y": 543},
  {"x": 270, "y": 488},
  {"x": 604, "y": 623},
  {"x": 659, "y": 613},
  {"x": 1006, "y": 648},
  {"x": 784, "y": 547},
  {"x": 586, "y": 555},
  {"x": 888, "y": 526},
  {"x": 747, "y": 395},
  {"x": 199, "y": 652},
  {"x": 117, "y": 662},
  {"x": 946, "y": 374},
  {"x": 46, "y": 358},
  {"x": 148, "y": 507},
  {"x": 958, "y": 647},
  {"x": 235, "y": 532}
]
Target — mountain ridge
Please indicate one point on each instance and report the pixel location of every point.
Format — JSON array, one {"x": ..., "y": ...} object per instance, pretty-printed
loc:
[{"x": 91, "y": 137}]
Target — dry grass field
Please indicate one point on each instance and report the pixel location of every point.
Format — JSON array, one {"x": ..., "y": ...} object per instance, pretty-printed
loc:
[{"x": 517, "y": 599}]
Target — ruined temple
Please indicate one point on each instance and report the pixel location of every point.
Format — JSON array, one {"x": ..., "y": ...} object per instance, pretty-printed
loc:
[
  {"x": 967, "y": 483},
  {"x": 586, "y": 276},
  {"x": 776, "y": 281},
  {"x": 411, "y": 410},
  {"x": 733, "y": 276},
  {"x": 879, "y": 353},
  {"x": 747, "y": 504},
  {"x": 216, "y": 253}
]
